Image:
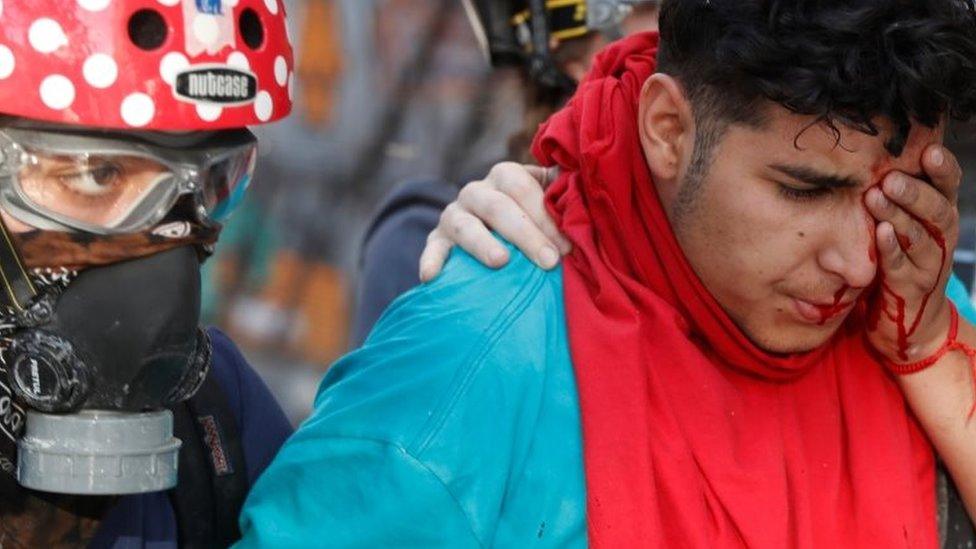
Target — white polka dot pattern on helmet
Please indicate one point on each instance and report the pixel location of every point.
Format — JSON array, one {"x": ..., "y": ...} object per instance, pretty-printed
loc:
[
  {"x": 7, "y": 62},
  {"x": 171, "y": 64},
  {"x": 46, "y": 35},
  {"x": 138, "y": 109},
  {"x": 209, "y": 113},
  {"x": 57, "y": 92},
  {"x": 263, "y": 106},
  {"x": 206, "y": 29},
  {"x": 94, "y": 5},
  {"x": 100, "y": 70},
  {"x": 281, "y": 70},
  {"x": 74, "y": 62},
  {"x": 239, "y": 61}
]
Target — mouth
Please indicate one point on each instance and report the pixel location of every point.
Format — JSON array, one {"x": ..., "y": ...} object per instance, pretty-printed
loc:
[{"x": 822, "y": 312}]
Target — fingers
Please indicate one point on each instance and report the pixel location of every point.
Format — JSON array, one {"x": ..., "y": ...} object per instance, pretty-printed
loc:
[
  {"x": 894, "y": 262},
  {"x": 511, "y": 201},
  {"x": 942, "y": 167},
  {"x": 434, "y": 256},
  {"x": 921, "y": 200},
  {"x": 508, "y": 218},
  {"x": 542, "y": 174},
  {"x": 539, "y": 173},
  {"x": 511, "y": 173},
  {"x": 529, "y": 195},
  {"x": 460, "y": 228},
  {"x": 467, "y": 229},
  {"x": 912, "y": 239}
]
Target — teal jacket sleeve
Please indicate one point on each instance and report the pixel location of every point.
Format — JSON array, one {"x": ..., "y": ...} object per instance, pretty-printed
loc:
[
  {"x": 345, "y": 492},
  {"x": 956, "y": 292},
  {"x": 416, "y": 435}
]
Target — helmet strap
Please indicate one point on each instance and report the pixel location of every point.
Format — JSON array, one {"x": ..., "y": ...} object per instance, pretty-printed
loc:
[{"x": 18, "y": 291}]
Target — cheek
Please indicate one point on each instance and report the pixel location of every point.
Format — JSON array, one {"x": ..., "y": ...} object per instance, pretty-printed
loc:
[
  {"x": 745, "y": 241},
  {"x": 870, "y": 225}
]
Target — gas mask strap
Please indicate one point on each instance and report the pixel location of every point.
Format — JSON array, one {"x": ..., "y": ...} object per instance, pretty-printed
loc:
[
  {"x": 18, "y": 290},
  {"x": 17, "y": 294}
]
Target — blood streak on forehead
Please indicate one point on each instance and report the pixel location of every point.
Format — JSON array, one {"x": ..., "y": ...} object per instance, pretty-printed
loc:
[{"x": 910, "y": 159}]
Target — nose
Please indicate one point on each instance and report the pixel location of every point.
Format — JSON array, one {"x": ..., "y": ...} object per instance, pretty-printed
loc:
[{"x": 850, "y": 251}]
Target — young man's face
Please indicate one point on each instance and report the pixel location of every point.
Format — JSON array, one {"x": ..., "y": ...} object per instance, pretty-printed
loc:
[{"x": 778, "y": 230}]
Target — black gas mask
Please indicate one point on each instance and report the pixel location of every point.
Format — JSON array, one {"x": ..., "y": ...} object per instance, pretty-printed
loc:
[
  {"x": 122, "y": 337},
  {"x": 96, "y": 359}
]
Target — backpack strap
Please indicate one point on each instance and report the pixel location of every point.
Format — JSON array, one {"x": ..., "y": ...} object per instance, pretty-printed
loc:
[{"x": 212, "y": 474}]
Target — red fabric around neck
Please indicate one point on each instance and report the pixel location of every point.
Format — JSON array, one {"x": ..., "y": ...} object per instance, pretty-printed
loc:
[{"x": 693, "y": 436}]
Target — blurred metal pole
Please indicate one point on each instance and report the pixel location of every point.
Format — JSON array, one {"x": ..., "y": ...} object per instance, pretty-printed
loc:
[
  {"x": 358, "y": 185},
  {"x": 471, "y": 130},
  {"x": 361, "y": 179}
]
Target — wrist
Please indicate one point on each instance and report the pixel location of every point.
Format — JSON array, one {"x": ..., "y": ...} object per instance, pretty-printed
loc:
[{"x": 931, "y": 349}]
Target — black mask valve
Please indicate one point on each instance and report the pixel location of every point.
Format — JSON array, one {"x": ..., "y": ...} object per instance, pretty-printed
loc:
[{"x": 46, "y": 373}]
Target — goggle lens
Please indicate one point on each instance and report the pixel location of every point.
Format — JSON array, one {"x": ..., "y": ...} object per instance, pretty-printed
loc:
[
  {"x": 226, "y": 184},
  {"x": 103, "y": 191},
  {"x": 121, "y": 192}
]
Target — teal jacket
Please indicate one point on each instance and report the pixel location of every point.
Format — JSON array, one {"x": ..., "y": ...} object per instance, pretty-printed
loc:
[{"x": 455, "y": 425}]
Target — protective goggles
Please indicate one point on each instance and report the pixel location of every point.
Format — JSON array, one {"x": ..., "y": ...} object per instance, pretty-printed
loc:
[{"x": 101, "y": 184}]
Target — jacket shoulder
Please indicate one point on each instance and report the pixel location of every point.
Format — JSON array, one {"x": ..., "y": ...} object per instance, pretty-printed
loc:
[
  {"x": 455, "y": 375},
  {"x": 469, "y": 297},
  {"x": 445, "y": 345}
]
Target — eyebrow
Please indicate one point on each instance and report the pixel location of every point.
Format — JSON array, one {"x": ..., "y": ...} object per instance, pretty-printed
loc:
[{"x": 815, "y": 178}]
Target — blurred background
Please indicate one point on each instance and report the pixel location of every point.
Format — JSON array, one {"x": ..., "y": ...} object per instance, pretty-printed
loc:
[{"x": 385, "y": 90}]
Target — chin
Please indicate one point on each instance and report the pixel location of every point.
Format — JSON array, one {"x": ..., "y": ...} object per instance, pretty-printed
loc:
[{"x": 787, "y": 341}]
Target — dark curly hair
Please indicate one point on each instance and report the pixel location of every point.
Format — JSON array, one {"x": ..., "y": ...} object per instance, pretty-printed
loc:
[{"x": 845, "y": 62}]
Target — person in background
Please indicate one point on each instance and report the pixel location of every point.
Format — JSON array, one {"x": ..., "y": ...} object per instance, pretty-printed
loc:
[
  {"x": 749, "y": 344},
  {"x": 554, "y": 51},
  {"x": 123, "y": 143}
]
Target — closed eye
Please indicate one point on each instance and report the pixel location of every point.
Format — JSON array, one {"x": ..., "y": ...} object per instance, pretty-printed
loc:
[{"x": 802, "y": 194}]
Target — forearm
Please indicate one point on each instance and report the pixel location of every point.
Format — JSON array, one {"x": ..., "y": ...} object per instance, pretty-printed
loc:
[{"x": 942, "y": 399}]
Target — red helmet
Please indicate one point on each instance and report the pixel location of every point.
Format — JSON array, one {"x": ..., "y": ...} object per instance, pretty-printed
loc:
[{"x": 170, "y": 65}]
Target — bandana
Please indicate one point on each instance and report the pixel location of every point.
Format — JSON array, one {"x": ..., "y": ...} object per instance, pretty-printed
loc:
[
  {"x": 692, "y": 435},
  {"x": 77, "y": 250}
]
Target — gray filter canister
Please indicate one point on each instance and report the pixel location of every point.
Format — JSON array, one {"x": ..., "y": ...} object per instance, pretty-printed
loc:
[{"x": 97, "y": 452}]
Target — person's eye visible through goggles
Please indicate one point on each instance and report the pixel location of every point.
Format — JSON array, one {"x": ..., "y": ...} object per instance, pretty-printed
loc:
[{"x": 110, "y": 190}]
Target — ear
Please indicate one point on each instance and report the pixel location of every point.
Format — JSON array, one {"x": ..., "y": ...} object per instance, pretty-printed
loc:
[{"x": 667, "y": 129}]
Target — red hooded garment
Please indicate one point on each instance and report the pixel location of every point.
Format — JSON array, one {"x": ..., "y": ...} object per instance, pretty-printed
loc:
[{"x": 693, "y": 436}]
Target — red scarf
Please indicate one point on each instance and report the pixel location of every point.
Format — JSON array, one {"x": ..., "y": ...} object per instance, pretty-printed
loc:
[{"x": 693, "y": 436}]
